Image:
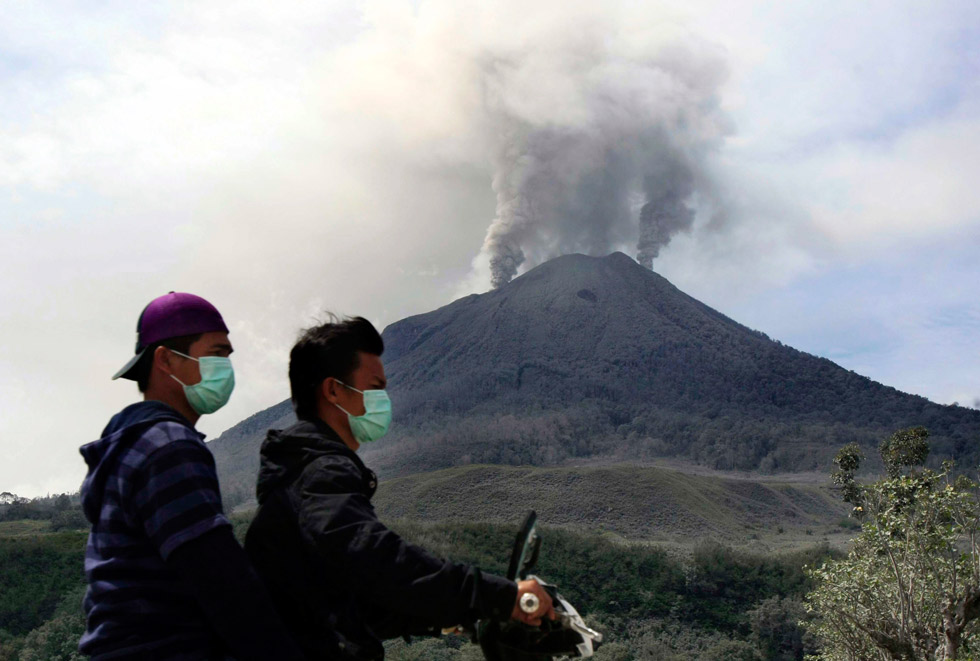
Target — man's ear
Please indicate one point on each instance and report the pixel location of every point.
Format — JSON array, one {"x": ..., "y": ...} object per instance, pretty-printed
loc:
[
  {"x": 329, "y": 389},
  {"x": 162, "y": 360}
]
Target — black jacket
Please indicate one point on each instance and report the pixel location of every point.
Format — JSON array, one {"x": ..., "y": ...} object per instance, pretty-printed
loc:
[{"x": 340, "y": 579}]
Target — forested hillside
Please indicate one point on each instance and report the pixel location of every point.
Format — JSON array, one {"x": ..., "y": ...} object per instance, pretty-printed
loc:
[
  {"x": 650, "y": 604},
  {"x": 584, "y": 359}
]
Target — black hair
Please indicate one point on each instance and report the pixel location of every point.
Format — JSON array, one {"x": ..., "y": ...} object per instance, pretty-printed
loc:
[
  {"x": 325, "y": 351},
  {"x": 145, "y": 365}
]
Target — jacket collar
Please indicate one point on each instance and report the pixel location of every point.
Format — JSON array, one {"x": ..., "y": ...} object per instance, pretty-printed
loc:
[{"x": 286, "y": 452}]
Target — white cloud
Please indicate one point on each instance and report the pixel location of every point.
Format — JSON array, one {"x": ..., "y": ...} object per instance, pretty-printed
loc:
[
  {"x": 283, "y": 159},
  {"x": 920, "y": 183}
]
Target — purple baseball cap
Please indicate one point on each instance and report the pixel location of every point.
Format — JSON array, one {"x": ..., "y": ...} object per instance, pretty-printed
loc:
[{"x": 171, "y": 315}]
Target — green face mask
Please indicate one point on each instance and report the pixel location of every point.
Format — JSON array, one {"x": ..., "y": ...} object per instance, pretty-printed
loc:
[
  {"x": 214, "y": 389},
  {"x": 377, "y": 415}
]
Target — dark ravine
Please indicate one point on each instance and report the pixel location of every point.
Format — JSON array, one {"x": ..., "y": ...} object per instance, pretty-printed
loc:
[{"x": 586, "y": 359}]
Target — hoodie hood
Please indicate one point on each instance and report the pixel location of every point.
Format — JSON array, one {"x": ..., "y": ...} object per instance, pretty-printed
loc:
[
  {"x": 101, "y": 455},
  {"x": 286, "y": 452}
]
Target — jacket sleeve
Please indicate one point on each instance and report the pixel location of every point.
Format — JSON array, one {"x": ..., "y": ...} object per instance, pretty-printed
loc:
[
  {"x": 175, "y": 494},
  {"x": 233, "y": 599},
  {"x": 337, "y": 519}
]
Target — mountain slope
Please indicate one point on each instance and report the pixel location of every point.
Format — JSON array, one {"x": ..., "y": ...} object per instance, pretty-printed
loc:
[
  {"x": 584, "y": 358},
  {"x": 645, "y": 503},
  {"x": 591, "y": 356}
]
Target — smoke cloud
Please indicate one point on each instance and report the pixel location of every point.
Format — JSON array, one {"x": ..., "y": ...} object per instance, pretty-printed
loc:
[{"x": 597, "y": 145}]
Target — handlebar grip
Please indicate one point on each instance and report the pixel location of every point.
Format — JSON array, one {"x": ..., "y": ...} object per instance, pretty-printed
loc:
[{"x": 530, "y": 602}]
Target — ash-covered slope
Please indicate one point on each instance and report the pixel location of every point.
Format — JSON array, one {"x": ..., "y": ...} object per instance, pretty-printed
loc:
[
  {"x": 582, "y": 327},
  {"x": 586, "y": 356},
  {"x": 637, "y": 502},
  {"x": 587, "y": 359}
]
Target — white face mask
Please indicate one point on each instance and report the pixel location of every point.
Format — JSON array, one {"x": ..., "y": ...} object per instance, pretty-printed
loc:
[
  {"x": 377, "y": 415},
  {"x": 214, "y": 389}
]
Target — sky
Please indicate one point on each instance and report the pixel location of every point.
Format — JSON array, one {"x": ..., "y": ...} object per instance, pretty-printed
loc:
[{"x": 283, "y": 160}]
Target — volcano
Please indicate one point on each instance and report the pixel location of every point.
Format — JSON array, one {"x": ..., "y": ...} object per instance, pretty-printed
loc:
[{"x": 587, "y": 360}]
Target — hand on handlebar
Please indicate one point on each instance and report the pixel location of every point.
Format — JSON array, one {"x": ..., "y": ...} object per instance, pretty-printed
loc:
[{"x": 545, "y": 606}]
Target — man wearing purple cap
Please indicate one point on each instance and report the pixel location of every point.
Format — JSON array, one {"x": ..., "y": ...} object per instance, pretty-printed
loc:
[{"x": 167, "y": 580}]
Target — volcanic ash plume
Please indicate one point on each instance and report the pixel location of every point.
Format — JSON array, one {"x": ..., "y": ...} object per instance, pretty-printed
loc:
[
  {"x": 597, "y": 147},
  {"x": 666, "y": 211}
]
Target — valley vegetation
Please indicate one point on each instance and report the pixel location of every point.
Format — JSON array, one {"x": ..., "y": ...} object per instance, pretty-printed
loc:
[
  {"x": 909, "y": 588},
  {"x": 717, "y": 603}
]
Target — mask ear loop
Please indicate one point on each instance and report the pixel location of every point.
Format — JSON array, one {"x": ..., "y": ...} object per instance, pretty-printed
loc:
[
  {"x": 349, "y": 414},
  {"x": 348, "y": 387},
  {"x": 185, "y": 356},
  {"x": 196, "y": 360},
  {"x": 336, "y": 380}
]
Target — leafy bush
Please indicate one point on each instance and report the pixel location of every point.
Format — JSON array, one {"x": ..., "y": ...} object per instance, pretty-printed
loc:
[
  {"x": 72, "y": 519},
  {"x": 910, "y": 586},
  {"x": 35, "y": 574},
  {"x": 723, "y": 584},
  {"x": 57, "y": 639},
  {"x": 733, "y": 650},
  {"x": 777, "y": 631}
]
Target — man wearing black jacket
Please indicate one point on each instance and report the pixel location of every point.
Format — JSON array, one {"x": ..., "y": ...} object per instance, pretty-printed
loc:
[{"x": 342, "y": 580}]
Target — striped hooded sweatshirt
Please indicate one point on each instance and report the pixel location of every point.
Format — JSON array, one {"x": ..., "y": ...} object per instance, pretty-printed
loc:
[{"x": 151, "y": 487}]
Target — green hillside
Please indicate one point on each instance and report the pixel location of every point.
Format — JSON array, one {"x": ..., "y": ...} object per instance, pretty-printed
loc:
[{"x": 632, "y": 502}]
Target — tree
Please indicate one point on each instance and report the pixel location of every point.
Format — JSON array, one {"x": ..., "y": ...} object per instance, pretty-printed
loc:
[
  {"x": 56, "y": 639},
  {"x": 910, "y": 587},
  {"x": 904, "y": 448},
  {"x": 70, "y": 519},
  {"x": 776, "y": 630},
  {"x": 613, "y": 652}
]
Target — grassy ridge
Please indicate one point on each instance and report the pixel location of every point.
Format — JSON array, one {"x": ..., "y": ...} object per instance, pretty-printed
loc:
[{"x": 633, "y": 502}]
